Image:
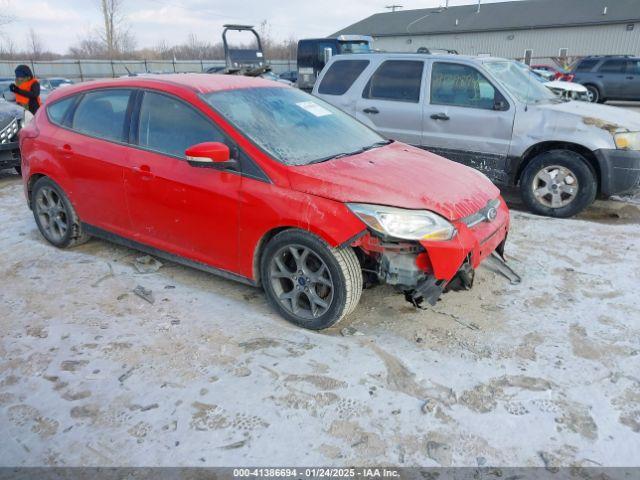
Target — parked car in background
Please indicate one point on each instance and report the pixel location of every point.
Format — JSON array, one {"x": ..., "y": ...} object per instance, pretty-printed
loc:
[
  {"x": 552, "y": 73},
  {"x": 547, "y": 75},
  {"x": 609, "y": 77},
  {"x": 11, "y": 120},
  {"x": 267, "y": 75},
  {"x": 490, "y": 114},
  {"x": 57, "y": 82},
  {"x": 563, "y": 89},
  {"x": 259, "y": 183},
  {"x": 5, "y": 93},
  {"x": 291, "y": 76}
]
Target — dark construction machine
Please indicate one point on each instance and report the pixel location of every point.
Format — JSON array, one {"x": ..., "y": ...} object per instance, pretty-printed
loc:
[{"x": 244, "y": 60}]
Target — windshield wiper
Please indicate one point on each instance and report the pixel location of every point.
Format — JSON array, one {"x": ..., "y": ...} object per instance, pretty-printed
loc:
[{"x": 348, "y": 154}]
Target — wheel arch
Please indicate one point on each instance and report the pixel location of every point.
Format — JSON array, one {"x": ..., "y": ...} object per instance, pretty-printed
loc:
[
  {"x": 264, "y": 240},
  {"x": 542, "y": 147},
  {"x": 30, "y": 183}
]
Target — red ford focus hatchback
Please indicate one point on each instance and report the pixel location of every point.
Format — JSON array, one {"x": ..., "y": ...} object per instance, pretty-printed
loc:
[{"x": 260, "y": 183}]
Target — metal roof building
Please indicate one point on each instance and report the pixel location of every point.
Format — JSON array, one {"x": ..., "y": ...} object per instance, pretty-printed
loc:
[{"x": 540, "y": 28}]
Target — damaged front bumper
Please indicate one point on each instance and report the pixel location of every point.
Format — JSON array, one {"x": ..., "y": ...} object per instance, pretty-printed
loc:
[
  {"x": 619, "y": 171},
  {"x": 424, "y": 270}
]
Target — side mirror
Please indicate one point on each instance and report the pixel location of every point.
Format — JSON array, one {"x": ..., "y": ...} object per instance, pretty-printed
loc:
[
  {"x": 500, "y": 105},
  {"x": 211, "y": 155}
]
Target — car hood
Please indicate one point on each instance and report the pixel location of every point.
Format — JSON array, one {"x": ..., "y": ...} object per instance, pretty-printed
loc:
[
  {"x": 398, "y": 175},
  {"x": 566, "y": 86},
  {"x": 612, "y": 119}
]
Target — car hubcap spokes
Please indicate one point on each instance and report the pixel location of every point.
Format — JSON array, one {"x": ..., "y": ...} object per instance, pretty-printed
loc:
[
  {"x": 51, "y": 213},
  {"x": 555, "y": 186},
  {"x": 301, "y": 281}
]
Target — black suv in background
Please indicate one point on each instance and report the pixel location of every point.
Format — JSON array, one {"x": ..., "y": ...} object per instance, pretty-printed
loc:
[{"x": 609, "y": 77}]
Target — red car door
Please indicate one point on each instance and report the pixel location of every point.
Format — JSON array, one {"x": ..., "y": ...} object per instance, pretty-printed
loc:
[
  {"x": 94, "y": 155},
  {"x": 188, "y": 211}
]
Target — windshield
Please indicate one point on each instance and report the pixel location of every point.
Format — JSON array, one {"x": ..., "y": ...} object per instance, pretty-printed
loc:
[
  {"x": 354, "y": 47},
  {"x": 520, "y": 81},
  {"x": 292, "y": 126}
]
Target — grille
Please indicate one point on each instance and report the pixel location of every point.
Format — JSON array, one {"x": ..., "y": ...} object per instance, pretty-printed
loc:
[{"x": 8, "y": 134}]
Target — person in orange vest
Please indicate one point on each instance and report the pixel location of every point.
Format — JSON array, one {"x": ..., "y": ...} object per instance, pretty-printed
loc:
[{"x": 26, "y": 89}]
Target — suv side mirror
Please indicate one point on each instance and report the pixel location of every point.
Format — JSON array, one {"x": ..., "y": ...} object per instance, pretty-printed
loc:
[
  {"x": 211, "y": 155},
  {"x": 500, "y": 104}
]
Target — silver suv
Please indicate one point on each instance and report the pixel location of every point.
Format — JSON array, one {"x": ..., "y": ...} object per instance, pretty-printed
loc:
[{"x": 488, "y": 113}]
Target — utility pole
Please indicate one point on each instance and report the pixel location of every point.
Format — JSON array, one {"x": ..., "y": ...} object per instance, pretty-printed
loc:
[
  {"x": 479, "y": 5},
  {"x": 393, "y": 8}
]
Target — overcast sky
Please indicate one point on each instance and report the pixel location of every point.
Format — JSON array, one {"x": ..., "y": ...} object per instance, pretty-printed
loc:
[{"x": 60, "y": 23}]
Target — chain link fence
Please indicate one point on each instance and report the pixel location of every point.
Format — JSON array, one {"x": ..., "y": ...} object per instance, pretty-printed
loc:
[{"x": 81, "y": 70}]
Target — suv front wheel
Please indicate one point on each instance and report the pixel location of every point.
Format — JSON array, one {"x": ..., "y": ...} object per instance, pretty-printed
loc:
[
  {"x": 593, "y": 94},
  {"x": 558, "y": 183}
]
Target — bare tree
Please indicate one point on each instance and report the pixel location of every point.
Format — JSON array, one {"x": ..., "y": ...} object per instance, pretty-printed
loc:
[
  {"x": 115, "y": 34},
  {"x": 34, "y": 45}
]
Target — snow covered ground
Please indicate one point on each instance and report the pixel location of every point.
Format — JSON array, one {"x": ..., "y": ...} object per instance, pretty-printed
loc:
[{"x": 543, "y": 373}]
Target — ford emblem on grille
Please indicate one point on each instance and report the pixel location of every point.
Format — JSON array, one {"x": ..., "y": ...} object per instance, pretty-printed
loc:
[{"x": 492, "y": 213}]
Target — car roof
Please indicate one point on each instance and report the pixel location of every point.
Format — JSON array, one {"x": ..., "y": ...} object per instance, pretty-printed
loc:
[
  {"x": 415, "y": 56},
  {"x": 196, "y": 82}
]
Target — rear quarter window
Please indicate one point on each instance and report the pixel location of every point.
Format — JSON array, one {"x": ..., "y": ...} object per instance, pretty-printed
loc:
[
  {"x": 341, "y": 76},
  {"x": 58, "y": 110}
]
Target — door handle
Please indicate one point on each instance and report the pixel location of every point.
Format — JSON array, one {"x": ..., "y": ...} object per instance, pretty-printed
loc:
[
  {"x": 630, "y": 78},
  {"x": 440, "y": 116},
  {"x": 372, "y": 110},
  {"x": 144, "y": 171}
]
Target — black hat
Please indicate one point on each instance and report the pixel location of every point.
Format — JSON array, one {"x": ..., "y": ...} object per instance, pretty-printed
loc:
[{"x": 23, "y": 71}]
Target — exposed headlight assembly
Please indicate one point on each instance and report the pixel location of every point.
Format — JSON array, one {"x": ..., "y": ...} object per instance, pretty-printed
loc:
[
  {"x": 404, "y": 224},
  {"x": 627, "y": 141}
]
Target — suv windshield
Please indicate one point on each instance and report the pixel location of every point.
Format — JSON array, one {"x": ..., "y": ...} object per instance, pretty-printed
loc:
[
  {"x": 292, "y": 126},
  {"x": 520, "y": 81},
  {"x": 354, "y": 47}
]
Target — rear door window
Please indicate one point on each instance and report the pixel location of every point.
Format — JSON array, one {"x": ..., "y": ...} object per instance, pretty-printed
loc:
[
  {"x": 461, "y": 86},
  {"x": 168, "y": 125},
  {"x": 102, "y": 114},
  {"x": 57, "y": 111},
  {"x": 398, "y": 80},
  {"x": 341, "y": 75},
  {"x": 613, "y": 66}
]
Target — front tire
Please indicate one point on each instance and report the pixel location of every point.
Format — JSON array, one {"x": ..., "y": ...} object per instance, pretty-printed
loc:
[
  {"x": 56, "y": 218},
  {"x": 593, "y": 94},
  {"x": 309, "y": 283},
  {"x": 558, "y": 183}
]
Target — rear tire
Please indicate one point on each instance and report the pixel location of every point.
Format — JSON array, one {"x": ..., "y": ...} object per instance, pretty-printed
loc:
[
  {"x": 558, "y": 183},
  {"x": 56, "y": 218},
  {"x": 309, "y": 283}
]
